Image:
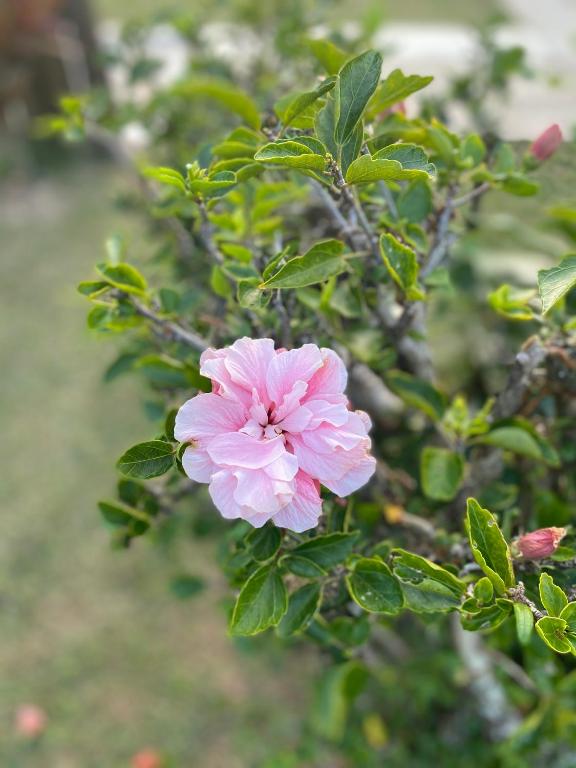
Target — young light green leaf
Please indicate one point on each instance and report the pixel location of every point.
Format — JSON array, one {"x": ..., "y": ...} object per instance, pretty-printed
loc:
[
  {"x": 293, "y": 154},
  {"x": 441, "y": 473},
  {"x": 412, "y": 158},
  {"x": 302, "y": 606},
  {"x": 524, "y": 622},
  {"x": 147, "y": 460},
  {"x": 553, "y": 631},
  {"x": 372, "y": 585},
  {"x": 366, "y": 170},
  {"x": 327, "y": 551},
  {"x": 552, "y": 596},
  {"x": 261, "y": 603},
  {"x": 221, "y": 91},
  {"x": 489, "y": 546},
  {"x": 124, "y": 277},
  {"x": 568, "y": 614},
  {"x": 166, "y": 176},
  {"x": 395, "y": 88},
  {"x": 511, "y": 303},
  {"x": 417, "y": 393},
  {"x": 304, "y": 100},
  {"x": 402, "y": 264},
  {"x": 357, "y": 81},
  {"x": 323, "y": 261},
  {"x": 556, "y": 282},
  {"x": 329, "y": 55},
  {"x": 215, "y": 183}
]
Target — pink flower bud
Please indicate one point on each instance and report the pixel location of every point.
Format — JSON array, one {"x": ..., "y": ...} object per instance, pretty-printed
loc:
[
  {"x": 547, "y": 143},
  {"x": 146, "y": 758},
  {"x": 30, "y": 721},
  {"x": 541, "y": 543}
]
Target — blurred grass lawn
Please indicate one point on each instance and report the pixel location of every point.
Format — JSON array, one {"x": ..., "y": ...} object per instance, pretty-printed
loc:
[{"x": 94, "y": 636}]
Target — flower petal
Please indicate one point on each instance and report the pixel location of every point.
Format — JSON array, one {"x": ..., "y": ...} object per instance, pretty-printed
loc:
[
  {"x": 247, "y": 362},
  {"x": 288, "y": 367},
  {"x": 198, "y": 465},
  {"x": 207, "y": 415},
  {"x": 303, "y": 511},
  {"x": 331, "y": 378},
  {"x": 237, "y": 449}
]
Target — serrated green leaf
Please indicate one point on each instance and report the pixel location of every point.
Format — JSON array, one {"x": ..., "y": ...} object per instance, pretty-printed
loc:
[
  {"x": 323, "y": 261},
  {"x": 556, "y": 282},
  {"x": 147, "y": 460},
  {"x": 261, "y": 603},
  {"x": 357, "y": 81},
  {"x": 489, "y": 546},
  {"x": 373, "y": 586},
  {"x": 552, "y": 596},
  {"x": 302, "y": 607},
  {"x": 441, "y": 473}
]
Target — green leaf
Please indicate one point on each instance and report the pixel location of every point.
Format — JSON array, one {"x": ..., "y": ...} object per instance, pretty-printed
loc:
[
  {"x": 186, "y": 586},
  {"x": 304, "y": 100},
  {"x": 427, "y": 587},
  {"x": 350, "y": 150},
  {"x": 568, "y": 614},
  {"x": 521, "y": 441},
  {"x": 553, "y": 631},
  {"x": 261, "y": 603},
  {"x": 325, "y": 126},
  {"x": 327, "y": 551},
  {"x": 165, "y": 371},
  {"x": 323, "y": 261},
  {"x": 147, "y": 460},
  {"x": 334, "y": 692},
  {"x": 123, "y": 515},
  {"x": 412, "y": 158},
  {"x": 208, "y": 186},
  {"x": 487, "y": 618},
  {"x": 366, "y": 169},
  {"x": 329, "y": 55},
  {"x": 224, "y": 93},
  {"x": 441, "y": 473},
  {"x": 373, "y": 586},
  {"x": 294, "y": 154},
  {"x": 473, "y": 150},
  {"x": 511, "y": 303},
  {"x": 555, "y": 283},
  {"x": 92, "y": 288},
  {"x": 552, "y": 596},
  {"x": 489, "y": 546},
  {"x": 357, "y": 81},
  {"x": 123, "y": 276},
  {"x": 264, "y": 542},
  {"x": 250, "y": 295},
  {"x": 395, "y": 88},
  {"x": 415, "y": 201},
  {"x": 402, "y": 264},
  {"x": 302, "y": 566},
  {"x": 302, "y": 607},
  {"x": 524, "y": 622},
  {"x": 483, "y": 590},
  {"x": 166, "y": 176},
  {"x": 417, "y": 393},
  {"x": 518, "y": 184}
]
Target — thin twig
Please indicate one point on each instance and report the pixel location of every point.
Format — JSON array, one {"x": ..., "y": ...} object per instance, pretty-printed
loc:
[
  {"x": 169, "y": 327},
  {"x": 478, "y": 191}
]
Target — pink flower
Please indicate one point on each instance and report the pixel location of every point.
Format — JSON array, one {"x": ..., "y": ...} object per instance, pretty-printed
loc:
[
  {"x": 31, "y": 721},
  {"x": 547, "y": 143},
  {"x": 276, "y": 425},
  {"x": 541, "y": 543},
  {"x": 146, "y": 758}
]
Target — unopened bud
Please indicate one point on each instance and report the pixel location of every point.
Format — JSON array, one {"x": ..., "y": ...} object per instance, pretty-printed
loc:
[
  {"x": 541, "y": 543},
  {"x": 146, "y": 758},
  {"x": 30, "y": 721},
  {"x": 547, "y": 143}
]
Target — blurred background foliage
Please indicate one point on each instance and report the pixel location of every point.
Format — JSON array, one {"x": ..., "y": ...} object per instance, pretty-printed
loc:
[{"x": 109, "y": 646}]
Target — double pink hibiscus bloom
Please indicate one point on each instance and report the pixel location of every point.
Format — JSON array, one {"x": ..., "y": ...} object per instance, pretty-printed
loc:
[{"x": 276, "y": 425}]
